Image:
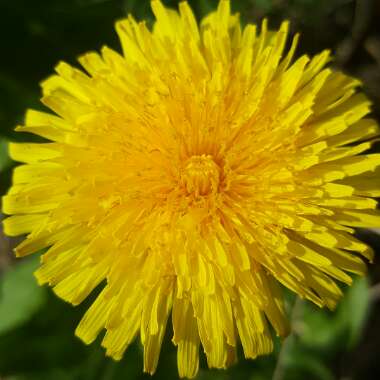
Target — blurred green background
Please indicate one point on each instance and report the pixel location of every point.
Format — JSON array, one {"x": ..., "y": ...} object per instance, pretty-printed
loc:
[{"x": 37, "y": 329}]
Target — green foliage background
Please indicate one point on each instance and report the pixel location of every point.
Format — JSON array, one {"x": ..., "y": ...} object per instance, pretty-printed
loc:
[{"x": 37, "y": 339}]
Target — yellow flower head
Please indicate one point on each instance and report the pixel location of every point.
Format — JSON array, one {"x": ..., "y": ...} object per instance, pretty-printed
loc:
[{"x": 190, "y": 176}]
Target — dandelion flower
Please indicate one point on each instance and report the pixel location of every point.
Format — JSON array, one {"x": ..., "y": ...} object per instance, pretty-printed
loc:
[{"x": 190, "y": 176}]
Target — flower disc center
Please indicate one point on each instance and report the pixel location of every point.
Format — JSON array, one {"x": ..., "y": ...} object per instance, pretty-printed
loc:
[{"x": 201, "y": 175}]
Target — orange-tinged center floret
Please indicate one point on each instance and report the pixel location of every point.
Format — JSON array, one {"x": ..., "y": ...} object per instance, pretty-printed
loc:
[{"x": 201, "y": 175}]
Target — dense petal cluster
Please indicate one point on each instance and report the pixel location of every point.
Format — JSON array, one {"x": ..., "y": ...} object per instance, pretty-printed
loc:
[{"x": 191, "y": 176}]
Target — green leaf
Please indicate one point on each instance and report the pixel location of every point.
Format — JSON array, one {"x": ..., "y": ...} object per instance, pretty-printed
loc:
[
  {"x": 298, "y": 361},
  {"x": 56, "y": 374},
  {"x": 330, "y": 330},
  {"x": 206, "y": 6},
  {"x": 321, "y": 328},
  {"x": 20, "y": 295},
  {"x": 300, "y": 364},
  {"x": 212, "y": 374},
  {"x": 5, "y": 161},
  {"x": 264, "y": 5},
  {"x": 354, "y": 309}
]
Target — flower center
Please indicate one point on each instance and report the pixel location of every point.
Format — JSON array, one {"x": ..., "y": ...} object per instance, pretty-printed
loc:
[{"x": 201, "y": 175}]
